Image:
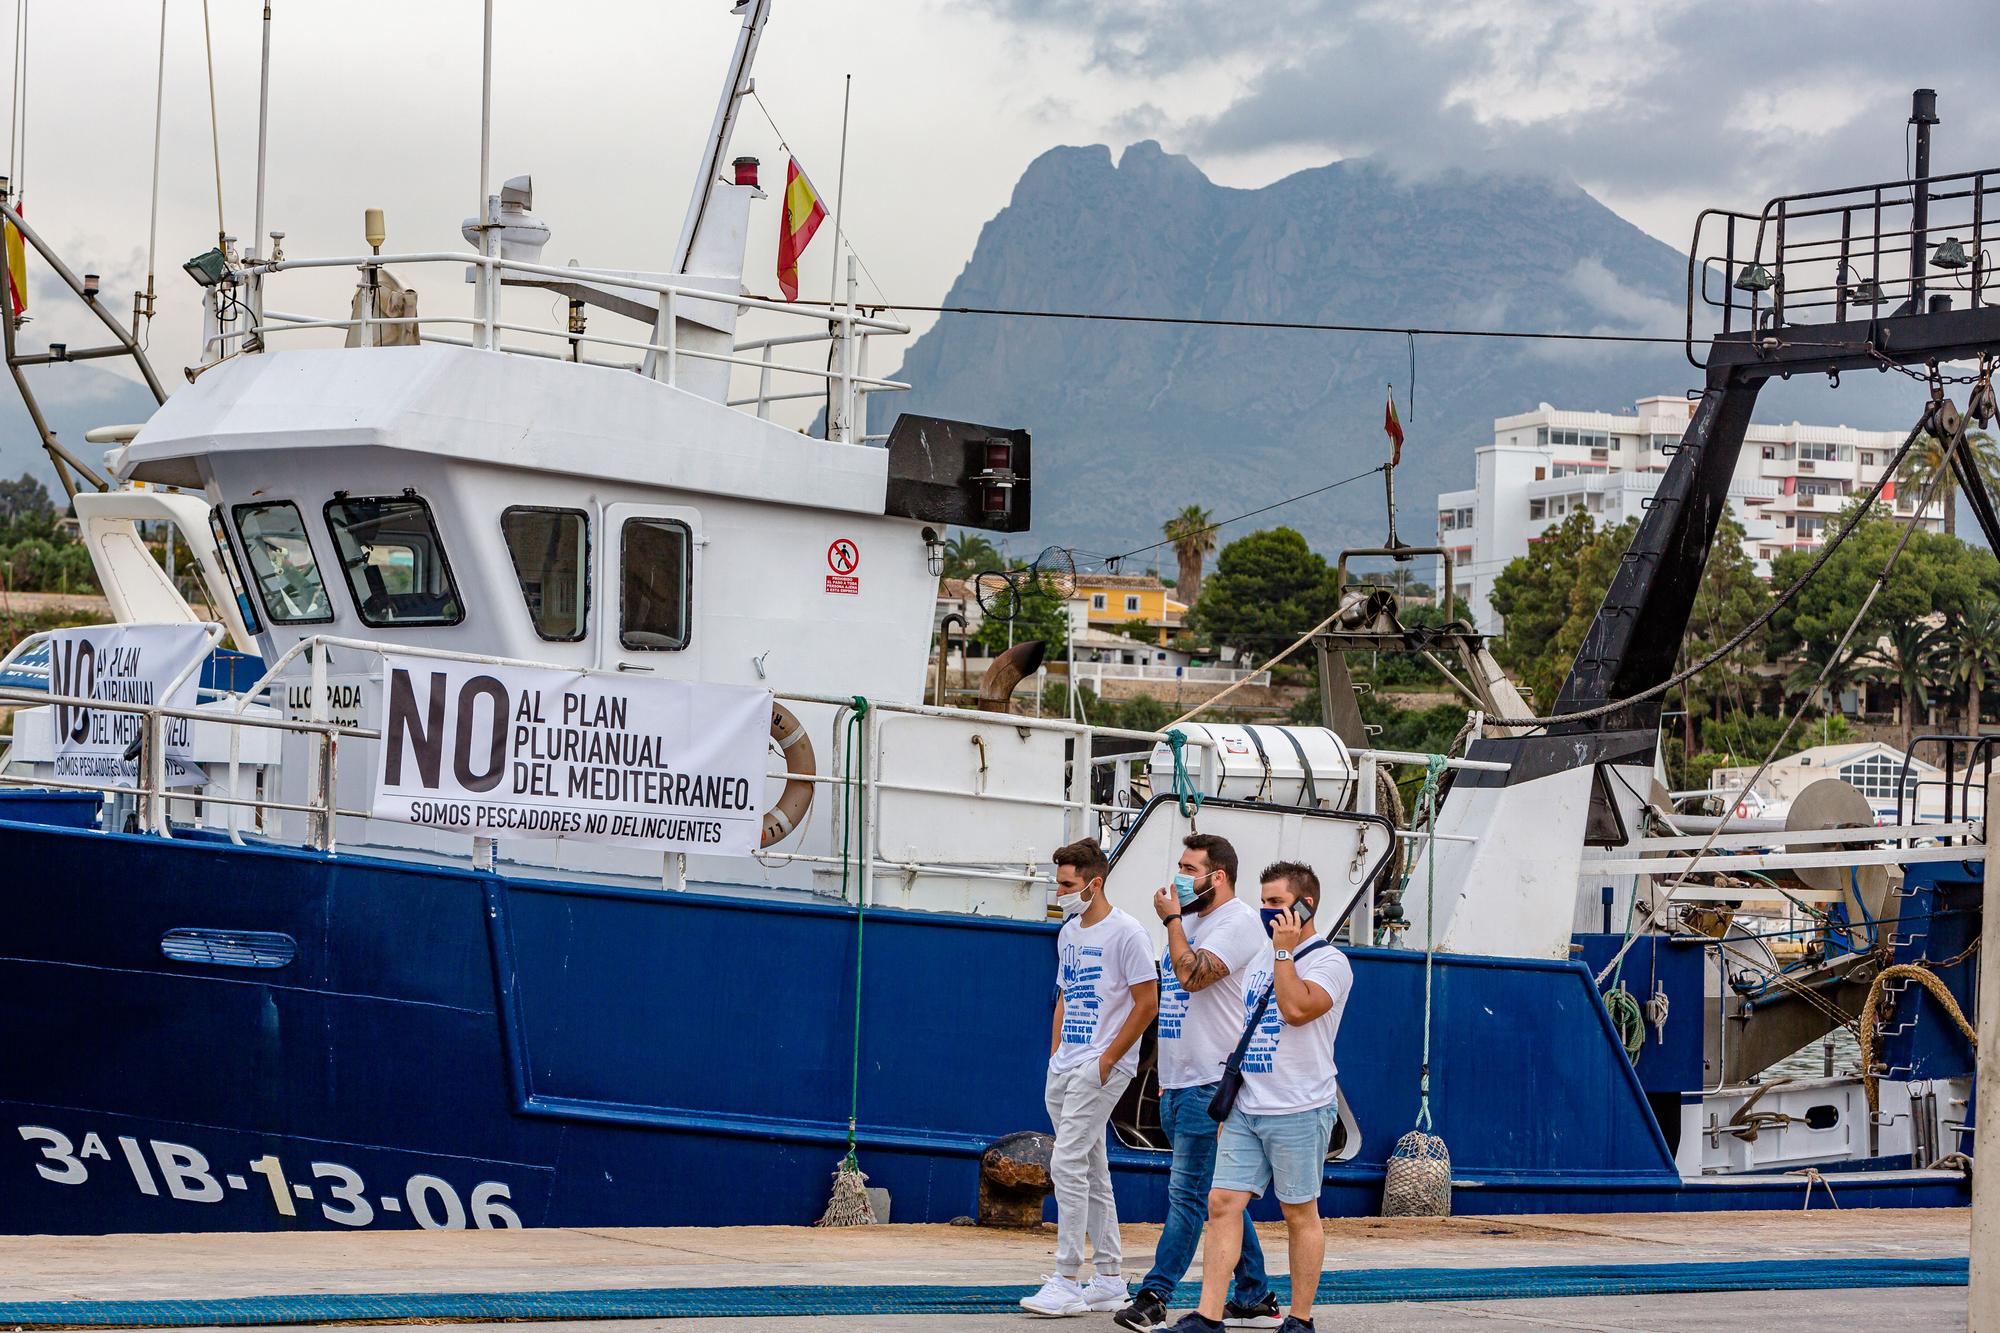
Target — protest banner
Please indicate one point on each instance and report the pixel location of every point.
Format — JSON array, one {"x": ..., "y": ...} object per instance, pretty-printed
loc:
[
  {"x": 123, "y": 664},
  {"x": 527, "y": 752}
]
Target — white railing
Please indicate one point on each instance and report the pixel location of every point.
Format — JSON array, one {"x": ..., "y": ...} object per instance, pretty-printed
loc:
[
  {"x": 843, "y": 380},
  {"x": 1097, "y": 671},
  {"x": 1082, "y": 816}
]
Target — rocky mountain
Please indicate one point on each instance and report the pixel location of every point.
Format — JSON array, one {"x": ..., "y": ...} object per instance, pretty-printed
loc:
[{"x": 1133, "y": 421}]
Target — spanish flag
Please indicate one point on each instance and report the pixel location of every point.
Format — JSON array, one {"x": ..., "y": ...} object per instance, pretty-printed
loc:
[
  {"x": 17, "y": 269},
  {"x": 1392, "y": 426},
  {"x": 800, "y": 218}
]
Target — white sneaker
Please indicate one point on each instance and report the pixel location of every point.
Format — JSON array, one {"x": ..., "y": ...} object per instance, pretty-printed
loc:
[
  {"x": 1106, "y": 1292},
  {"x": 1059, "y": 1296}
]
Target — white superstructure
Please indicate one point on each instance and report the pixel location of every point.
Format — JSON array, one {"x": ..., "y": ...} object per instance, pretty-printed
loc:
[{"x": 1546, "y": 464}]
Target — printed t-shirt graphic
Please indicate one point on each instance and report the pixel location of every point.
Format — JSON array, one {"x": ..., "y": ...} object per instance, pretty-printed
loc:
[
  {"x": 1286, "y": 1068},
  {"x": 1198, "y": 1030},
  {"x": 1096, "y": 970}
]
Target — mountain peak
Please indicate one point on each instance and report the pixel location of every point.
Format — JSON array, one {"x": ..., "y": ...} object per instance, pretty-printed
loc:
[{"x": 1147, "y": 159}]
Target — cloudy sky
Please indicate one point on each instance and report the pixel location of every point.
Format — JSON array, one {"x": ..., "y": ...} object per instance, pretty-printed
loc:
[{"x": 1657, "y": 108}]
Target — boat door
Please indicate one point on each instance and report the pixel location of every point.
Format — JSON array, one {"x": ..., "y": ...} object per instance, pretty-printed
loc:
[{"x": 649, "y": 570}]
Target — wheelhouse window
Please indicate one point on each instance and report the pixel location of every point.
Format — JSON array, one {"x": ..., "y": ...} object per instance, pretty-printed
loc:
[
  {"x": 232, "y": 568},
  {"x": 657, "y": 580},
  {"x": 281, "y": 563},
  {"x": 551, "y": 553},
  {"x": 394, "y": 561}
]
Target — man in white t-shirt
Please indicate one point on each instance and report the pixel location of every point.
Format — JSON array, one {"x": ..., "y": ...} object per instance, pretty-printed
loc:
[
  {"x": 1213, "y": 941},
  {"x": 1107, "y": 995},
  {"x": 1276, "y": 1136}
]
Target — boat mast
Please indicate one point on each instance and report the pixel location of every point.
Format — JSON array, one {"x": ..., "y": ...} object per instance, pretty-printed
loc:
[{"x": 755, "y": 13}]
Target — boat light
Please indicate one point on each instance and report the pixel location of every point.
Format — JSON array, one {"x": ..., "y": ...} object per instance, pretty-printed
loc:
[
  {"x": 746, "y": 171},
  {"x": 1950, "y": 255},
  {"x": 91, "y": 286},
  {"x": 1865, "y": 292},
  {"x": 1754, "y": 278},
  {"x": 934, "y": 549},
  {"x": 209, "y": 269},
  {"x": 373, "y": 229}
]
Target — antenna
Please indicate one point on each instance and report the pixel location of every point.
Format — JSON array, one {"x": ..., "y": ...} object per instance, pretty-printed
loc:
[{"x": 755, "y": 14}]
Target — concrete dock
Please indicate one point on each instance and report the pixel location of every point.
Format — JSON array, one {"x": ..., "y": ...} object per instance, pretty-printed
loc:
[{"x": 1825, "y": 1269}]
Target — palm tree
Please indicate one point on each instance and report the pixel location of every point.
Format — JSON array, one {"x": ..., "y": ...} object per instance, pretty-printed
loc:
[
  {"x": 968, "y": 553},
  {"x": 1847, "y": 673},
  {"x": 1925, "y": 462},
  {"x": 1906, "y": 657},
  {"x": 1193, "y": 536},
  {"x": 1969, "y": 649}
]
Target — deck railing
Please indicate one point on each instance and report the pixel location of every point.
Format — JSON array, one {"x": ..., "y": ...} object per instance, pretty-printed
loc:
[
  {"x": 1082, "y": 816},
  {"x": 240, "y": 322}
]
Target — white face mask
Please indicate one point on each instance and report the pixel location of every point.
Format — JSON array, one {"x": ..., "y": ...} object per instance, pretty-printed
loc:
[{"x": 1072, "y": 903}]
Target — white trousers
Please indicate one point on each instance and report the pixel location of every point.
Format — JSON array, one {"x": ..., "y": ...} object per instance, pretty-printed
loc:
[{"x": 1080, "y": 1169}]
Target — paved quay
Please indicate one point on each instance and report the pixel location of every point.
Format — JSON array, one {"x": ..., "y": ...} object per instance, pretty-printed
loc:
[{"x": 1618, "y": 1271}]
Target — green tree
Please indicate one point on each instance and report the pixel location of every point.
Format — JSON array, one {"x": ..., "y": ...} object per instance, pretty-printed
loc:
[
  {"x": 1193, "y": 536},
  {"x": 1969, "y": 647},
  {"x": 1549, "y": 597},
  {"x": 1145, "y": 713},
  {"x": 1730, "y": 596},
  {"x": 1042, "y": 615},
  {"x": 1268, "y": 588},
  {"x": 1905, "y": 657},
  {"x": 1809, "y": 661},
  {"x": 1925, "y": 464},
  {"x": 967, "y": 554}
]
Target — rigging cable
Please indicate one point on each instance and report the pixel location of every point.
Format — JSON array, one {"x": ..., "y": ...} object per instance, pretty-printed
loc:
[
  {"x": 153, "y": 217},
  {"x": 214, "y": 126},
  {"x": 1825, "y": 553},
  {"x": 1811, "y": 696},
  {"x": 1276, "y": 504}
]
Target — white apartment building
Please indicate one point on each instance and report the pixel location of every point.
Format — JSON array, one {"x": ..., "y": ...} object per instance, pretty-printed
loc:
[{"x": 1543, "y": 465}]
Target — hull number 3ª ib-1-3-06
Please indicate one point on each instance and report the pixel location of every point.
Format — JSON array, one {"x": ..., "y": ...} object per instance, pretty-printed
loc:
[{"x": 177, "y": 1171}]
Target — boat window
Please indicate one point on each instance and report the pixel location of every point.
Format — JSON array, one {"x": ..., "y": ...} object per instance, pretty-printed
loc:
[
  {"x": 655, "y": 585},
  {"x": 281, "y": 563},
  {"x": 232, "y": 569},
  {"x": 551, "y": 552},
  {"x": 394, "y": 561}
]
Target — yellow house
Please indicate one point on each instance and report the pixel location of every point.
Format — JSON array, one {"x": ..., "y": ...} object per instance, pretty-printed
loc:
[{"x": 1111, "y": 601}]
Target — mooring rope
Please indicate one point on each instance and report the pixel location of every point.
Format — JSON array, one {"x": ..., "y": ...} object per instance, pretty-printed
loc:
[{"x": 1871, "y": 1017}]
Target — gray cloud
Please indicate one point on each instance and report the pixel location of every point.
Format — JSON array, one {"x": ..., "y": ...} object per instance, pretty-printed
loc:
[{"x": 1737, "y": 101}]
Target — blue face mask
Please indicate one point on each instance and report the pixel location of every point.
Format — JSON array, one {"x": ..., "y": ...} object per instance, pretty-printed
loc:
[
  {"x": 1185, "y": 890},
  {"x": 1270, "y": 916}
]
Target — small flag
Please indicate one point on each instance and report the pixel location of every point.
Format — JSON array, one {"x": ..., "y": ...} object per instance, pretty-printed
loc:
[
  {"x": 1392, "y": 425},
  {"x": 800, "y": 218},
  {"x": 17, "y": 269}
]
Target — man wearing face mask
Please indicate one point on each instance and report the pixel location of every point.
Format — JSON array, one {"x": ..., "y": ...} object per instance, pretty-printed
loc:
[
  {"x": 1107, "y": 995},
  {"x": 1277, "y": 1133},
  {"x": 1213, "y": 941}
]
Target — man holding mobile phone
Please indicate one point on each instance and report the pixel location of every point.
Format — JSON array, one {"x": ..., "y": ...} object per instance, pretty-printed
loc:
[
  {"x": 1276, "y": 1135},
  {"x": 1213, "y": 942}
]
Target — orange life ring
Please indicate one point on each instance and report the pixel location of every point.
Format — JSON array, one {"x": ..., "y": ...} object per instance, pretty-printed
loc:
[{"x": 789, "y": 735}]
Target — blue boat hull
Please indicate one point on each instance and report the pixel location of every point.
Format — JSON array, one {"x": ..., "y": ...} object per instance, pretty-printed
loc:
[{"x": 455, "y": 1048}]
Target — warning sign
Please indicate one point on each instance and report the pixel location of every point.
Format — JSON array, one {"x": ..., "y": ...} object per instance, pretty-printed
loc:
[{"x": 843, "y": 559}]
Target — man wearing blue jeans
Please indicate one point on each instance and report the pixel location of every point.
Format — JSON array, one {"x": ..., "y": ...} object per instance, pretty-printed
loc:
[
  {"x": 1213, "y": 940},
  {"x": 1276, "y": 1136}
]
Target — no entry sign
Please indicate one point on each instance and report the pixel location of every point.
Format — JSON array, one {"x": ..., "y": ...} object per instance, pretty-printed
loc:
[{"x": 843, "y": 561}]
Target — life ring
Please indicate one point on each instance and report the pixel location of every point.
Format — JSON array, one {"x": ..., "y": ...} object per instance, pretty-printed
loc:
[{"x": 789, "y": 735}]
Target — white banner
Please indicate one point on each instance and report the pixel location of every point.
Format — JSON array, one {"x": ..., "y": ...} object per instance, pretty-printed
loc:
[
  {"x": 126, "y": 664},
  {"x": 522, "y": 752}
]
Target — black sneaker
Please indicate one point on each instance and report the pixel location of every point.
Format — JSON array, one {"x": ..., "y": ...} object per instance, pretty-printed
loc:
[
  {"x": 1147, "y": 1311},
  {"x": 1294, "y": 1324},
  {"x": 1192, "y": 1322},
  {"x": 1264, "y": 1314}
]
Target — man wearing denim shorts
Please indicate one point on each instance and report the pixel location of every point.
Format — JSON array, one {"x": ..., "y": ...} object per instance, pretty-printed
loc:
[
  {"x": 1212, "y": 946},
  {"x": 1276, "y": 1136}
]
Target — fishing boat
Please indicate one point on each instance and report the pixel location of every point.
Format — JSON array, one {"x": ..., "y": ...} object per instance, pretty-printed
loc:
[{"x": 242, "y": 989}]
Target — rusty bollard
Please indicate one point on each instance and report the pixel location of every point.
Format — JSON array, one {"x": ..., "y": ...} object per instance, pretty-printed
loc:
[{"x": 1014, "y": 1179}]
